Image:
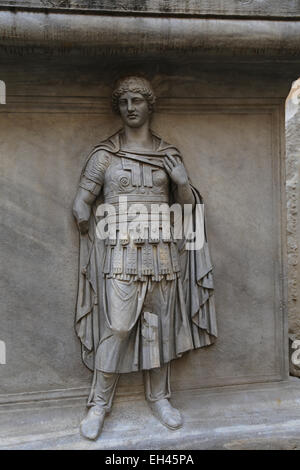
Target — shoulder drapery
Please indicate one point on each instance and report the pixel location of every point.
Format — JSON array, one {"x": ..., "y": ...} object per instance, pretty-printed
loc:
[{"x": 196, "y": 275}]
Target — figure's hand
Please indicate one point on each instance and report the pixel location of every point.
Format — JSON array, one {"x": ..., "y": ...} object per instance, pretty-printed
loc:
[
  {"x": 175, "y": 168},
  {"x": 83, "y": 226}
]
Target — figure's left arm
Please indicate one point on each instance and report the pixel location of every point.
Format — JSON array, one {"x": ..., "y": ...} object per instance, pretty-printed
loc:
[{"x": 177, "y": 172}]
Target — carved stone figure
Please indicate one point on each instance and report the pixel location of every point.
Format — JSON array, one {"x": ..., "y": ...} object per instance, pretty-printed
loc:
[{"x": 144, "y": 300}]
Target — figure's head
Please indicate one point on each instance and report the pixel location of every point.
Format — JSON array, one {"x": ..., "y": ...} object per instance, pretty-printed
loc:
[{"x": 134, "y": 100}]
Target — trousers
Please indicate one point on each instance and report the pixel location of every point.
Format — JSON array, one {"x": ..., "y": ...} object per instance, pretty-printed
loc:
[{"x": 156, "y": 385}]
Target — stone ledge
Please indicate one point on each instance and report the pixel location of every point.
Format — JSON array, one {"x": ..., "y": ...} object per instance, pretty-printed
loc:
[
  {"x": 113, "y": 36},
  {"x": 239, "y": 8},
  {"x": 265, "y": 416}
]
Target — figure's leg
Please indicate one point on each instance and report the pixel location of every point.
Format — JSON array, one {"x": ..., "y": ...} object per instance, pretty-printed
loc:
[
  {"x": 100, "y": 402},
  {"x": 122, "y": 305},
  {"x": 103, "y": 390},
  {"x": 119, "y": 346},
  {"x": 157, "y": 391}
]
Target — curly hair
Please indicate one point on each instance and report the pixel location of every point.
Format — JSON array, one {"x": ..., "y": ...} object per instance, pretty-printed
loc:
[{"x": 135, "y": 85}]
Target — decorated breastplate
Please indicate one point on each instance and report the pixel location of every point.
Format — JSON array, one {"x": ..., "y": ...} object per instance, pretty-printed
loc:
[
  {"x": 144, "y": 181},
  {"x": 152, "y": 253}
]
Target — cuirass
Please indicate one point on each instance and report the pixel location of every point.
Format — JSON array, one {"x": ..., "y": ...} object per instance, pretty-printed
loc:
[
  {"x": 142, "y": 181},
  {"x": 149, "y": 255}
]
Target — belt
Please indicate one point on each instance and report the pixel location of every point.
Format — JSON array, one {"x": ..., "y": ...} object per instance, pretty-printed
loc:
[{"x": 139, "y": 198}]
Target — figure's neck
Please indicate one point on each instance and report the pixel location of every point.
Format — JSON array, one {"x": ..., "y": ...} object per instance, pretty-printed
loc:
[{"x": 137, "y": 138}]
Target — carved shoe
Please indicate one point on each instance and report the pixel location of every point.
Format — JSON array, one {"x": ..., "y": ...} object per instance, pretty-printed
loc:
[
  {"x": 166, "y": 414},
  {"x": 91, "y": 425}
]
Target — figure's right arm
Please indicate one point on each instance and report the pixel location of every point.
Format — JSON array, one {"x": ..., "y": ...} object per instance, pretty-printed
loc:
[
  {"x": 82, "y": 208},
  {"x": 89, "y": 187}
]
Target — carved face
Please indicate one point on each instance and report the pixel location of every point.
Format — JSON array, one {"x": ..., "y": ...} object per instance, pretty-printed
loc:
[{"x": 134, "y": 109}]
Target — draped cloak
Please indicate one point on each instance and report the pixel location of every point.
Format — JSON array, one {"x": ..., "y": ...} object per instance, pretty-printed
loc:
[{"x": 195, "y": 267}]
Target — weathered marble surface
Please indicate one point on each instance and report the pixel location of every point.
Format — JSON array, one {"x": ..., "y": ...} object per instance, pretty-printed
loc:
[
  {"x": 268, "y": 8},
  {"x": 261, "y": 417},
  {"x": 161, "y": 37}
]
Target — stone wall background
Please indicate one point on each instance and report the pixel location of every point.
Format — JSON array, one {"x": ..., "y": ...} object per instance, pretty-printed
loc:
[{"x": 293, "y": 223}]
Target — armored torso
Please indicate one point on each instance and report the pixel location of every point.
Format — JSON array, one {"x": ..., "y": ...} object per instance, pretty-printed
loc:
[{"x": 140, "y": 248}]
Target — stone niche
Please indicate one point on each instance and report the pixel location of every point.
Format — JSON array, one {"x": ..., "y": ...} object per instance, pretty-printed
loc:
[
  {"x": 227, "y": 118},
  {"x": 232, "y": 147}
]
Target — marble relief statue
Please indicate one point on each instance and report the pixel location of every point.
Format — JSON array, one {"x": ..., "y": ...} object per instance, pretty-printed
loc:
[{"x": 143, "y": 300}]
